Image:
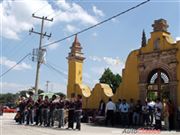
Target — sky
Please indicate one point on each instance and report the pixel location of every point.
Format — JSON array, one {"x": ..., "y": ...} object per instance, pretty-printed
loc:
[{"x": 107, "y": 45}]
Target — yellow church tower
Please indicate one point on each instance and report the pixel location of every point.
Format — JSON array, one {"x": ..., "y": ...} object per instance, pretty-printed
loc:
[{"x": 75, "y": 63}]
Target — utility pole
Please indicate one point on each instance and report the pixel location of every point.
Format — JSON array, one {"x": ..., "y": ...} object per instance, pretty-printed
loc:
[
  {"x": 40, "y": 51},
  {"x": 47, "y": 86}
]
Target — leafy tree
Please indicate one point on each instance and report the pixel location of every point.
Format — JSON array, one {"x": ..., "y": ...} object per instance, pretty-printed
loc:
[
  {"x": 23, "y": 92},
  {"x": 40, "y": 91},
  {"x": 113, "y": 80},
  {"x": 8, "y": 99},
  {"x": 60, "y": 94}
]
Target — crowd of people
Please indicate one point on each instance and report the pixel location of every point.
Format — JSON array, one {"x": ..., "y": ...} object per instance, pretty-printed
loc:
[
  {"x": 44, "y": 112},
  {"x": 149, "y": 113}
]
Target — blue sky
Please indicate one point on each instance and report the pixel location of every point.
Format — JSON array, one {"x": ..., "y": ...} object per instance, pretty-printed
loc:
[{"x": 105, "y": 46}]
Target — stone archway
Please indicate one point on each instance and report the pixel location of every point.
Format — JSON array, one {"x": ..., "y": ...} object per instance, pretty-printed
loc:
[
  {"x": 165, "y": 60},
  {"x": 158, "y": 84}
]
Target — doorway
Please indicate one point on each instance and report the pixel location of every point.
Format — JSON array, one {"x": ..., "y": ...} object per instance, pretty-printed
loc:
[{"x": 158, "y": 85}]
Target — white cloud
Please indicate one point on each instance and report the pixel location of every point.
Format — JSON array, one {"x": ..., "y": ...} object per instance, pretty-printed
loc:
[
  {"x": 71, "y": 28},
  {"x": 12, "y": 87},
  {"x": 95, "y": 34},
  {"x": 9, "y": 63},
  {"x": 177, "y": 38},
  {"x": 107, "y": 60},
  {"x": 64, "y": 5},
  {"x": 16, "y": 15},
  {"x": 97, "y": 11},
  {"x": 53, "y": 46},
  {"x": 98, "y": 70},
  {"x": 114, "y": 20},
  {"x": 115, "y": 64},
  {"x": 112, "y": 61},
  {"x": 95, "y": 58},
  {"x": 75, "y": 13}
]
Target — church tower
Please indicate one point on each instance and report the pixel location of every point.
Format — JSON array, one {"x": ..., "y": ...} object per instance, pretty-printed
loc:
[{"x": 75, "y": 63}]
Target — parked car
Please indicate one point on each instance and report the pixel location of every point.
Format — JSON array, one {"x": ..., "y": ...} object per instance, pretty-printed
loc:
[{"x": 6, "y": 109}]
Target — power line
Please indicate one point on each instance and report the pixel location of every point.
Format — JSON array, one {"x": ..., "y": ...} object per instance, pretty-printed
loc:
[
  {"x": 54, "y": 65},
  {"x": 86, "y": 29},
  {"x": 23, "y": 42},
  {"x": 14, "y": 65},
  {"x": 20, "y": 47},
  {"x": 15, "y": 46},
  {"x": 55, "y": 69},
  {"x": 41, "y": 8},
  {"x": 27, "y": 36}
]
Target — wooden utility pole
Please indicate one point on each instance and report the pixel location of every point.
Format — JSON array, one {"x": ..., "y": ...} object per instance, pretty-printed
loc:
[
  {"x": 40, "y": 49},
  {"x": 47, "y": 86}
]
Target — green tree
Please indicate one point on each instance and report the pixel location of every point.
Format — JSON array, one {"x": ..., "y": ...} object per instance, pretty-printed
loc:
[
  {"x": 60, "y": 94},
  {"x": 113, "y": 80},
  {"x": 8, "y": 99},
  {"x": 24, "y": 92}
]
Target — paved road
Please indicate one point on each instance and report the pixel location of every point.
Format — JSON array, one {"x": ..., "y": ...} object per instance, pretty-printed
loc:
[{"x": 9, "y": 127}]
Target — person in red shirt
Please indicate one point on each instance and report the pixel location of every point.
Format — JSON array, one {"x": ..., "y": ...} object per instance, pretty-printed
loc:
[
  {"x": 29, "y": 106},
  {"x": 38, "y": 106},
  {"x": 60, "y": 107},
  {"x": 71, "y": 108},
  {"x": 45, "y": 107},
  {"x": 51, "y": 111},
  {"x": 78, "y": 111}
]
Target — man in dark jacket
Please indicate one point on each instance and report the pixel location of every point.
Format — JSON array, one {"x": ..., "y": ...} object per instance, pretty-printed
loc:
[
  {"x": 51, "y": 111},
  {"x": 38, "y": 106},
  {"x": 71, "y": 108},
  {"x": 78, "y": 111},
  {"x": 45, "y": 110},
  {"x": 30, "y": 105}
]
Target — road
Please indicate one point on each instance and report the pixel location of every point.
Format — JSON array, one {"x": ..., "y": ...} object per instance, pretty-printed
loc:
[{"x": 9, "y": 127}]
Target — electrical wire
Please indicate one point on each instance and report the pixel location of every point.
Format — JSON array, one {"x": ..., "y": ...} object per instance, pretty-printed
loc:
[
  {"x": 60, "y": 72},
  {"x": 14, "y": 65},
  {"x": 21, "y": 47},
  {"x": 54, "y": 65},
  {"x": 55, "y": 69},
  {"x": 88, "y": 28},
  {"x": 40, "y": 8}
]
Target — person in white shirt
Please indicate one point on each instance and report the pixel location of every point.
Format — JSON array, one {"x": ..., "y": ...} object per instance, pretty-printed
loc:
[
  {"x": 110, "y": 109},
  {"x": 158, "y": 119},
  {"x": 145, "y": 113},
  {"x": 158, "y": 104},
  {"x": 151, "y": 105},
  {"x": 124, "y": 108}
]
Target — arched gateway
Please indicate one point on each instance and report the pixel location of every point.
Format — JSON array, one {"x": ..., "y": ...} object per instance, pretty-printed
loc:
[
  {"x": 157, "y": 74},
  {"x": 158, "y": 85}
]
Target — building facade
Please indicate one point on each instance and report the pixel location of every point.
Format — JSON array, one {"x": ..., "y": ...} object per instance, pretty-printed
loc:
[{"x": 151, "y": 71}]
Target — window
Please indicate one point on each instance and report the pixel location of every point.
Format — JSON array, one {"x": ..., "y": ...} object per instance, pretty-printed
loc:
[
  {"x": 157, "y": 44},
  {"x": 158, "y": 75}
]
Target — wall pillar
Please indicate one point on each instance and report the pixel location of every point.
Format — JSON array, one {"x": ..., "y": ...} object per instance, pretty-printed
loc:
[{"x": 142, "y": 91}]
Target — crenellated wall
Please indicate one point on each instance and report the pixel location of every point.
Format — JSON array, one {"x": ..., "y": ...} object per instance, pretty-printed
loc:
[{"x": 92, "y": 98}]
